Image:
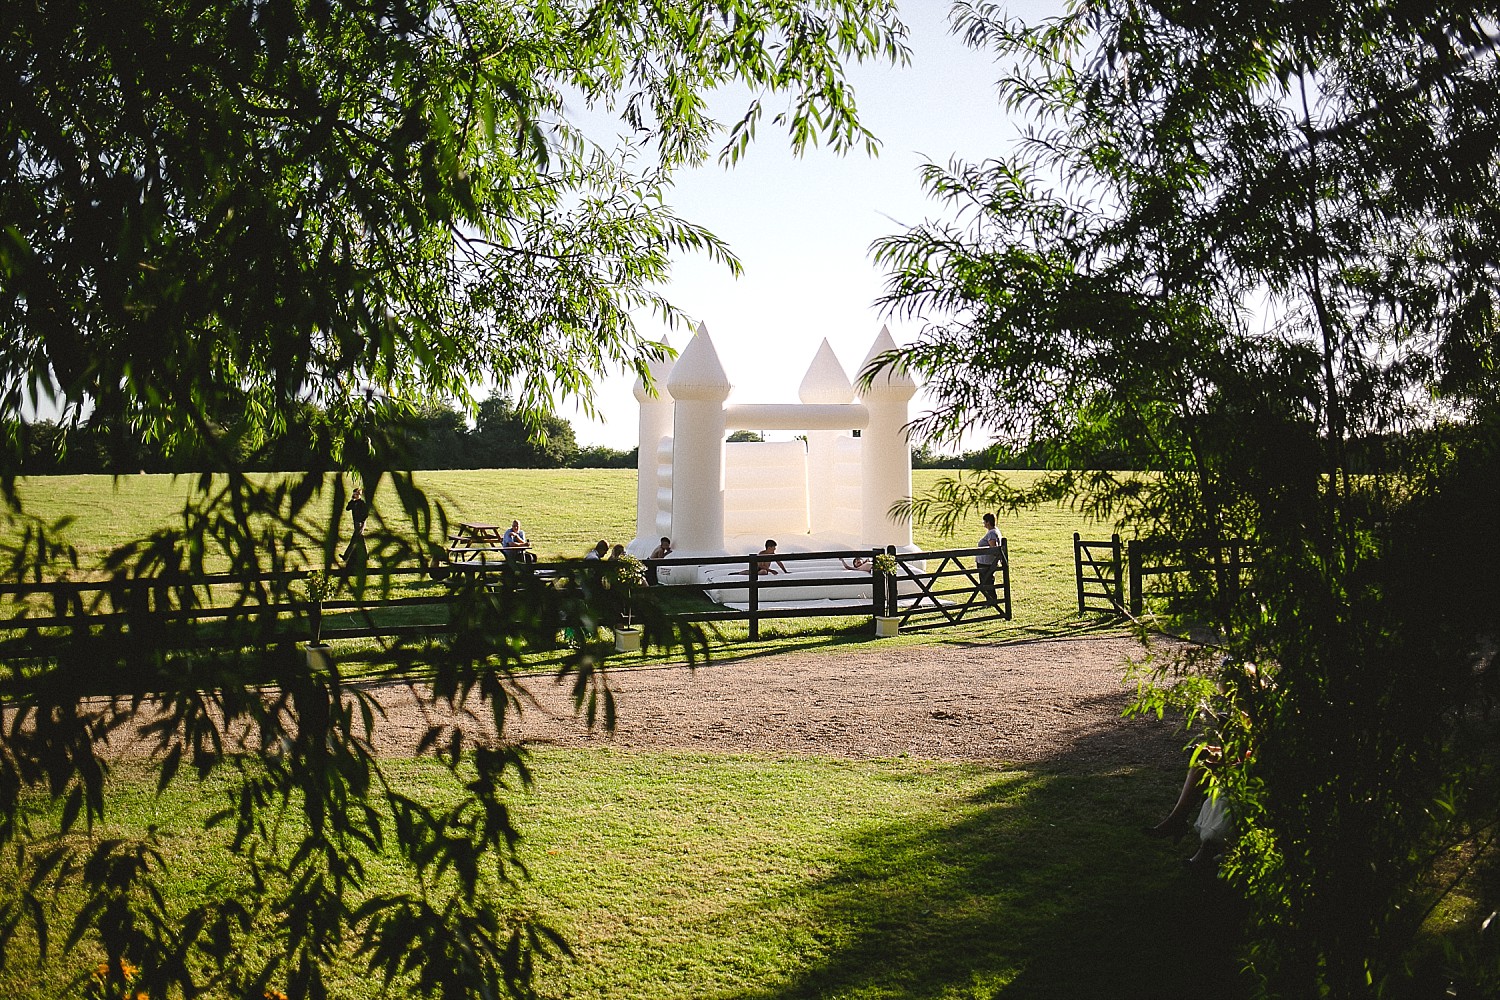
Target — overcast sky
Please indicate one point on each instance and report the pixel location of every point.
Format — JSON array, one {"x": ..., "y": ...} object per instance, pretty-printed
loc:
[{"x": 803, "y": 227}]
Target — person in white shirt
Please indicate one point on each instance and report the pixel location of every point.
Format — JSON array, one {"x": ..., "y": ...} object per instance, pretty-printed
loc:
[
  {"x": 987, "y": 561},
  {"x": 515, "y": 545}
]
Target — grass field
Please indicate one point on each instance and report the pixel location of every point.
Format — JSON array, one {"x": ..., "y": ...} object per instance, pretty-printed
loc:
[{"x": 678, "y": 876}]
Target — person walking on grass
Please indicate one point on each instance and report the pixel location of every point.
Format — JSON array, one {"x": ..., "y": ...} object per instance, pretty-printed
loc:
[{"x": 359, "y": 512}]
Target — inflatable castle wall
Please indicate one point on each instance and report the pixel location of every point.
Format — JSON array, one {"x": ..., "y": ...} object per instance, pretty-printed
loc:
[{"x": 714, "y": 498}]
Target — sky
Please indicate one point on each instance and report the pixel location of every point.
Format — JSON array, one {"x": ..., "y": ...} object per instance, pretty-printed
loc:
[{"x": 802, "y": 226}]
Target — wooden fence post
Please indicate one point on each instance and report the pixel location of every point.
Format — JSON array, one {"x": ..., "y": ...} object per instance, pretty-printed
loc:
[
  {"x": 1137, "y": 595},
  {"x": 754, "y": 580},
  {"x": 1119, "y": 575},
  {"x": 1005, "y": 574},
  {"x": 1078, "y": 568}
]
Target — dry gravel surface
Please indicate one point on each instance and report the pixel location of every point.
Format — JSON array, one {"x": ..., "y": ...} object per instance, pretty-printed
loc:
[{"x": 1056, "y": 702}]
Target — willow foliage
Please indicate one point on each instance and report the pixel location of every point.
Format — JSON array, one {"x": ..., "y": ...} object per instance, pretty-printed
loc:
[
  {"x": 216, "y": 215},
  {"x": 1253, "y": 247}
]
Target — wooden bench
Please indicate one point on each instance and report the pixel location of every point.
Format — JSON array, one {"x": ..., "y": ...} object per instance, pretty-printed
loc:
[{"x": 475, "y": 553}]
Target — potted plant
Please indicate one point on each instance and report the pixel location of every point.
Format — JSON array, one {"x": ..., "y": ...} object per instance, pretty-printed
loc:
[
  {"x": 889, "y": 623},
  {"x": 630, "y": 572},
  {"x": 317, "y": 587}
]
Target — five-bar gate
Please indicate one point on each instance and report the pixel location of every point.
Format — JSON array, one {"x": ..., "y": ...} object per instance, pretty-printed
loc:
[{"x": 1099, "y": 571}]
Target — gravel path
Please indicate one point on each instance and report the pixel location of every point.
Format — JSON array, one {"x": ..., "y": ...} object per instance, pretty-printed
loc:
[{"x": 1046, "y": 701}]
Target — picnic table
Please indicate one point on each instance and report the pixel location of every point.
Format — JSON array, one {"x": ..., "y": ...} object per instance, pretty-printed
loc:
[
  {"x": 477, "y": 547},
  {"x": 475, "y": 541},
  {"x": 477, "y": 532}
]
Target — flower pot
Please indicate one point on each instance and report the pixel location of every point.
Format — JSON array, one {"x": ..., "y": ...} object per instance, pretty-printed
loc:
[
  {"x": 628, "y": 638},
  {"x": 887, "y": 625},
  {"x": 319, "y": 655}
]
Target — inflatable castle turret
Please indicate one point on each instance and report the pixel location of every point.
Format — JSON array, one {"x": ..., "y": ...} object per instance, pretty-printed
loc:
[
  {"x": 825, "y": 384},
  {"x": 699, "y": 388},
  {"x": 885, "y": 448},
  {"x": 833, "y": 491},
  {"x": 655, "y": 437}
]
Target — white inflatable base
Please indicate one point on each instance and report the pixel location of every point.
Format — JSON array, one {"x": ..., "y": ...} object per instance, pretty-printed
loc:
[
  {"x": 726, "y": 582},
  {"x": 707, "y": 576},
  {"x": 853, "y": 606},
  {"x": 853, "y": 586}
]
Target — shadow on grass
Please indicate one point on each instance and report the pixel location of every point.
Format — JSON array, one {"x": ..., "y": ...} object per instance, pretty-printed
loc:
[
  {"x": 728, "y": 647},
  {"x": 1011, "y": 634},
  {"x": 1044, "y": 888}
]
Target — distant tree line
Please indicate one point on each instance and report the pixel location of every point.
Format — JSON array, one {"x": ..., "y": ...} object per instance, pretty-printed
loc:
[
  {"x": 436, "y": 436},
  {"x": 1036, "y": 455},
  {"x": 1367, "y": 454}
]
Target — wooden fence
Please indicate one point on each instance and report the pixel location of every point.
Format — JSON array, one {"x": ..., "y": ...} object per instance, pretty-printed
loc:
[
  {"x": 221, "y": 609},
  {"x": 173, "y": 606},
  {"x": 937, "y": 601},
  {"x": 1166, "y": 569},
  {"x": 1097, "y": 569},
  {"x": 761, "y": 590},
  {"x": 950, "y": 592}
]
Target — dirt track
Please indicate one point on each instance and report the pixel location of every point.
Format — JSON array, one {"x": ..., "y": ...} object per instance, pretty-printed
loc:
[{"x": 1053, "y": 701}]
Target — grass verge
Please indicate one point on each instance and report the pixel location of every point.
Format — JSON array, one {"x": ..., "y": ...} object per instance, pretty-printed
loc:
[{"x": 678, "y": 875}]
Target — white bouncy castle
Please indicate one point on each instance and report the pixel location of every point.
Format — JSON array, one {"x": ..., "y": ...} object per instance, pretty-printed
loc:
[{"x": 715, "y": 498}]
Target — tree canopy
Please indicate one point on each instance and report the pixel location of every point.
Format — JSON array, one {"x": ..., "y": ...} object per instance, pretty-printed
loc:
[
  {"x": 218, "y": 217},
  {"x": 292, "y": 200},
  {"x": 503, "y": 440},
  {"x": 1243, "y": 243}
]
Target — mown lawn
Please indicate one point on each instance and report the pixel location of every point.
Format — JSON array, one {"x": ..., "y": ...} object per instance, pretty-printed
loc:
[
  {"x": 678, "y": 875},
  {"x": 686, "y": 875}
]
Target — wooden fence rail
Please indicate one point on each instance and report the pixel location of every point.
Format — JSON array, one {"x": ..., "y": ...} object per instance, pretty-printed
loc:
[
  {"x": 1227, "y": 562},
  {"x": 936, "y": 603},
  {"x": 51, "y": 610},
  {"x": 1098, "y": 570},
  {"x": 1102, "y": 574},
  {"x": 763, "y": 588},
  {"x": 164, "y": 601}
]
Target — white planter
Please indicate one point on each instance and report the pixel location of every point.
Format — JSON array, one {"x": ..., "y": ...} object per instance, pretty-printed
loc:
[
  {"x": 887, "y": 625},
  {"x": 628, "y": 639},
  {"x": 319, "y": 655}
]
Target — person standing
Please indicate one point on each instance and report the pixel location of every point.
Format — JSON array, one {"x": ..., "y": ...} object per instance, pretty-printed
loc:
[
  {"x": 359, "y": 512},
  {"x": 987, "y": 560}
]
